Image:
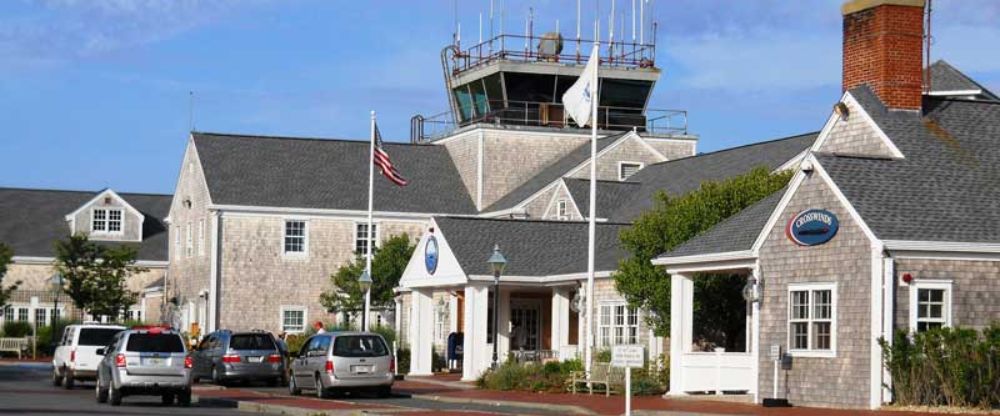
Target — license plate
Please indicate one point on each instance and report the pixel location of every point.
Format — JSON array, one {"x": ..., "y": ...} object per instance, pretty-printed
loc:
[
  {"x": 154, "y": 361},
  {"x": 361, "y": 369},
  {"x": 255, "y": 359}
]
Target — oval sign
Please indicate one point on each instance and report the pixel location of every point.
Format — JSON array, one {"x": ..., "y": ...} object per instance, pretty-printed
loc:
[
  {"x": 812, "y": 227},
  {"x": 431, "y": 255}
]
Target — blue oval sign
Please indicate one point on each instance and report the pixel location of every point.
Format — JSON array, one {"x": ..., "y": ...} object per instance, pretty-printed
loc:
[
  {"x": 812, "y": 227},
  {"x": 431, "y": 255}
]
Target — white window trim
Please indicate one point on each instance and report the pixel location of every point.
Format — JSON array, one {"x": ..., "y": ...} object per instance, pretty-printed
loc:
[
  {"x": 378, "y": 233},
  {"x": 305, "y": 238},
  {"x": 189, "y": 244},
  {"x": 611, "y": 323},
  {"x": 918, "y": 284},
  {"x": 294, "y": 308},
  {"x": 107, "y": 221},
  {"x": 795, "y": 287},
  {"x": 628, "y": 162},
  {"x": 201, "y": 237},
  {"x": 562, "y": 209},
  {"x": 177, "y": 242}
]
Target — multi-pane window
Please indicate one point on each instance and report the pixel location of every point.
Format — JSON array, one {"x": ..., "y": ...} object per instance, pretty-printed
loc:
[
  {"x": 441, "y": 323},
  {"x": 177, "y": 240},
  {"x": 293, "y": 319},
  {"x": 930, "y": 304},
  {"x": 8, "y": 313},
  {"x": 561, "y": 210},
  {"x": 189, "y": 247},
  {"x": 201, "y": 237},
  {"x": 627, "y": 169},
  {"x": 362, "y": 238},
  {"x": 618, "y": 324},
  {"x": 54, "y": 315},
  {"x": 811, "y": 317},
  {"x": 22, "y": 314},
  {"x": 40, "y": 317},
  {"x": 106, "y": 221},
  {"x": 295, "y": 237}
]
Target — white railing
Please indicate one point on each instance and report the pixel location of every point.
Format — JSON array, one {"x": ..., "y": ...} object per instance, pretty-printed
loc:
[{"x": 717, "y": 371}]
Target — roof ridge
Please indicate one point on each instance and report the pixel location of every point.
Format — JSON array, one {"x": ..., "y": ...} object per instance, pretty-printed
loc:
[
  {"x": 525, "y": 220},
  {"x": 80, "y": 191},
  {"x": 743, "y": 146},
  {"x": 602, "y": 180},
  {"x": 300, "y": 138}
]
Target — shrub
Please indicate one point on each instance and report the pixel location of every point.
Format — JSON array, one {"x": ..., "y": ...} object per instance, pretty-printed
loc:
[
  {"x": 602, "y": 356},
  {"x": 511, "y": 375},
  {"x": 387, "y": 332},
  {"x": 16, "y": 329},
  {"x": 404, "y": 361},
  {"x": 947, "y": 366}
]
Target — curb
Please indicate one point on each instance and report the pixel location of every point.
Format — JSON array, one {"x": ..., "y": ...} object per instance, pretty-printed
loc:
[
  {"x": 26, "y": 364},
  {"x": 564, "y": 408},
  {"x": 273, "y": 409}
]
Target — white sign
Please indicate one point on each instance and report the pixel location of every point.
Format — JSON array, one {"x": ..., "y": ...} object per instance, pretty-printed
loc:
[
  {"x": 775, "y": 351},
  {"x": 633, "y": 356}
]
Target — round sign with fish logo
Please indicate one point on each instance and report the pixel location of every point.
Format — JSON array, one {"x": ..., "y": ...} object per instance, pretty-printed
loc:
[
  {"x": 812, "y": 227},
  {"x": 431, "y": 255}
]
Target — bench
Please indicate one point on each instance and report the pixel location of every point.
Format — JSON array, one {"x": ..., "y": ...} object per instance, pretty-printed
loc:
[
  {"x": 601, "y": 374},
  {"x": 18, "y": 345}
]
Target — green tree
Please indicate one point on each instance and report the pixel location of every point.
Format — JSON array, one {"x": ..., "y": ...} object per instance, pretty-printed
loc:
[
  {"x": 671, "y": 222},
  {"x": 6, "y": 255},
  {"x": 388, "y": 263},
  {"x": 95, "y": 275}
]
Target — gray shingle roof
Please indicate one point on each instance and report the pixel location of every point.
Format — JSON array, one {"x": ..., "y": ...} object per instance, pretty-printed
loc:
[
  {"x": 551, "y": 173},
  {"x": 532, "y": 248},
  {"x": 31, "y": 220},
  {"x": 945, "y": 77},
  {"x": 610, "y": 195},
  {"x": 736, "y": 233},
  {"x": 948, "y": 186},
  {"x": 330, "y": 174},
  {"x": 680, "y": 176}
]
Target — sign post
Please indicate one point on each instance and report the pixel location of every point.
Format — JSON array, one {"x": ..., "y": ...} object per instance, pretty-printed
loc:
[{"x": 628, "y": 356}]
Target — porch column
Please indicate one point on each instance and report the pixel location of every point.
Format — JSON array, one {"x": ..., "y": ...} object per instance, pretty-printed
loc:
[
  {"x": 421, "y": 332},
  {"x": 477, "y": 354},
  {"x": 681, "y": 314},
  {"x": 754, "y": 344},
  {"x": 504, "y": 333},
  {"x": 560, "y": 320}
]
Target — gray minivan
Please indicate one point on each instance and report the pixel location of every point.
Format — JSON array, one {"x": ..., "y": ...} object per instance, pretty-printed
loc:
[
  {"x": 226, "y": 356},
  {"x": 338, "y": 361}
]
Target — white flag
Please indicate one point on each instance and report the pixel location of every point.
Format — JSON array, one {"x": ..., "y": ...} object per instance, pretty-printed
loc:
[{"x": 578, "y": 99}]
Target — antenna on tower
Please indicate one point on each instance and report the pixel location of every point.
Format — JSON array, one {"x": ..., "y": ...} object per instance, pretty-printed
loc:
[
  {"x": 928, "y": 40},
  {"x": 642, "y": 21}
]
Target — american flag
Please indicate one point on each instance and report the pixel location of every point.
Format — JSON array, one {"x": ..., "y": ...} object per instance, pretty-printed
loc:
[{"x": 384, "y": 164}]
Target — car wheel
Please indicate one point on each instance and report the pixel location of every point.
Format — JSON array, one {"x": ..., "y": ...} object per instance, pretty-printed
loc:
[
  {"x": 114, "y": 395},
  {"x": 217, "y": 377},
  {"x": 68, "y": 381},
  {"x": 383, "y": 391},
  {"x": 293, "y": 388},
  {"x": 321, "y": 392},
  {"x": 57, "y": 379},
  {"x": 184, "y": 398},
  {"x": 167, "y": 399},
  {"x": 102, "y": 394}
]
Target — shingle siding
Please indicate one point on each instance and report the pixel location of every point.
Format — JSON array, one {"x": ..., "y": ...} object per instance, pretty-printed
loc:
[
  {"x": 975, "y": 289},
  {"x": 842, "y": 381},
  {"x": 855, "y": 136},
  {"x": 511, "y": 159},
  {"x": 631, "y": 150},
  {"x": 673, "y": 149}
]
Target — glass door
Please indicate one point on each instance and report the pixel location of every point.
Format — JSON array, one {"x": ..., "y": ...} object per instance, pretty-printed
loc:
[{"x": 524, "y": 326}]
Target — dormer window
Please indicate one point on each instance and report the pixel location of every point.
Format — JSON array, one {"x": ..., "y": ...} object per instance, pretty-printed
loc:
[{"x": 107, "y": 221}]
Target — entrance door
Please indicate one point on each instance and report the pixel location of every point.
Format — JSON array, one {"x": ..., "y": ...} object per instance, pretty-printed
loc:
[{"x": 524, "y": 325}]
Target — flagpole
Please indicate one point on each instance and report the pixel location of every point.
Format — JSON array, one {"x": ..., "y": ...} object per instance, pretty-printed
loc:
[
  {"x": 592, "y": 224},
  {"x": 368, "y": 234}
]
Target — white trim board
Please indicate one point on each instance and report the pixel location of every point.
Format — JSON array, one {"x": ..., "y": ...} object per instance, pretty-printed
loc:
[{"x": 849, "y": 99}]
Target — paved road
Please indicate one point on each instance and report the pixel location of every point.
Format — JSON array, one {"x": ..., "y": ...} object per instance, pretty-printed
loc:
[{"x": 29, "y": 390}]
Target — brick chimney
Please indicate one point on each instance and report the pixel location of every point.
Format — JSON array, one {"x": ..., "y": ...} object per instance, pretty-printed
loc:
[{"x": 883, "y": 47}]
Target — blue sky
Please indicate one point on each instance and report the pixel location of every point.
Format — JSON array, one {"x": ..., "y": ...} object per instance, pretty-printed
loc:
[{"x": 94, "y": 93}]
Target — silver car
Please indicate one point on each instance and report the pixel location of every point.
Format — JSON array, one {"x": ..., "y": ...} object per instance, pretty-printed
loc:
[
  {"x": 343, "y": 360},
  {"x": 146, "y": 361},
  {"x": 226, "y": 356}
]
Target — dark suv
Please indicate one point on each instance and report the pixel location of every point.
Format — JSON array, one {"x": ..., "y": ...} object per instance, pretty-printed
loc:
[{"x": 226, "y": 356}]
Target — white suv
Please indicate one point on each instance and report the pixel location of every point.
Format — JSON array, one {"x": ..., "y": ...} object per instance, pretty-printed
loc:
[{"x": 75, "y": 357}]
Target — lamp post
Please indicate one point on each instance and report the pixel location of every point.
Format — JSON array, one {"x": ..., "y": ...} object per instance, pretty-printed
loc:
[
  {"x": 365, "y": 282},
  {"x": 497, "y": 263},
  {"x": 56, "y": 287}
]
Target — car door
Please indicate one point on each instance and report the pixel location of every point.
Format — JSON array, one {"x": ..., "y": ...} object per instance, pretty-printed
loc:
[
  {"x": 300, "y": 365},
  {"x": 201, "y": 357}
]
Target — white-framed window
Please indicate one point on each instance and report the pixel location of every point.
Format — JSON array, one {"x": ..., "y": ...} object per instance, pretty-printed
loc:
[
  {"x": 562, "y": 210},
  {"x": 930, "y": 304},
  {"x": 40, "y": 317},
  {"x": 812, "y": 319},
  {"x": 106, "y": 220},
  {"x": 361, "y": 237},
  {"x": 22, "y": 314},
  {"x": 201, "y": 237},
  {"x": 293, "y": 319},
  {"x": 189, "y": 246},
  {"x": 618, "y": 324},
  {"x": 441, "y": 322},
  {"x": 626, "y": 169},
  {"x": 295, "y": 241},
  {"x": 177, "y": 241}
]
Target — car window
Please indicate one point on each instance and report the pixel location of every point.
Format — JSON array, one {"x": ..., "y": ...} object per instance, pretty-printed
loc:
[
  {"x": 151, "y": 342},
  {"x": 309, "y": 346},
  {"x": 251, "y": 342},
  {"x": 97, "y": 336},
  {"x": 67, "y": 338},
  {"x": 359, "y": 346},
  {"x": 204, "y": 344},
  {"x": 324, "y": 345}
]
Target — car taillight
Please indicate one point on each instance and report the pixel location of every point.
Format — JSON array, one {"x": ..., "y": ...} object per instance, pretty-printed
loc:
[
  {"x": 120, "y": 360},
  {"x": 392, "y": 366},
  {"x": 274, "y": 358},
  {"x": 188, "y": 362},
  {"x": 229, "y": 359},
  {"x": 72, "y": 356},
  {"x": 329, "y": 366}
]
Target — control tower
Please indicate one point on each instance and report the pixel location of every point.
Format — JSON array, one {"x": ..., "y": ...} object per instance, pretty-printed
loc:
[{"x": 518, "y": 81}]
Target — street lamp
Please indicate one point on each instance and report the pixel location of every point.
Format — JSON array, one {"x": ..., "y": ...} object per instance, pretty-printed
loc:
[
  {"x": 365, "y": 282},
  {"x": 497, "y": 263},
  {"x": 56, "y": 287}
]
